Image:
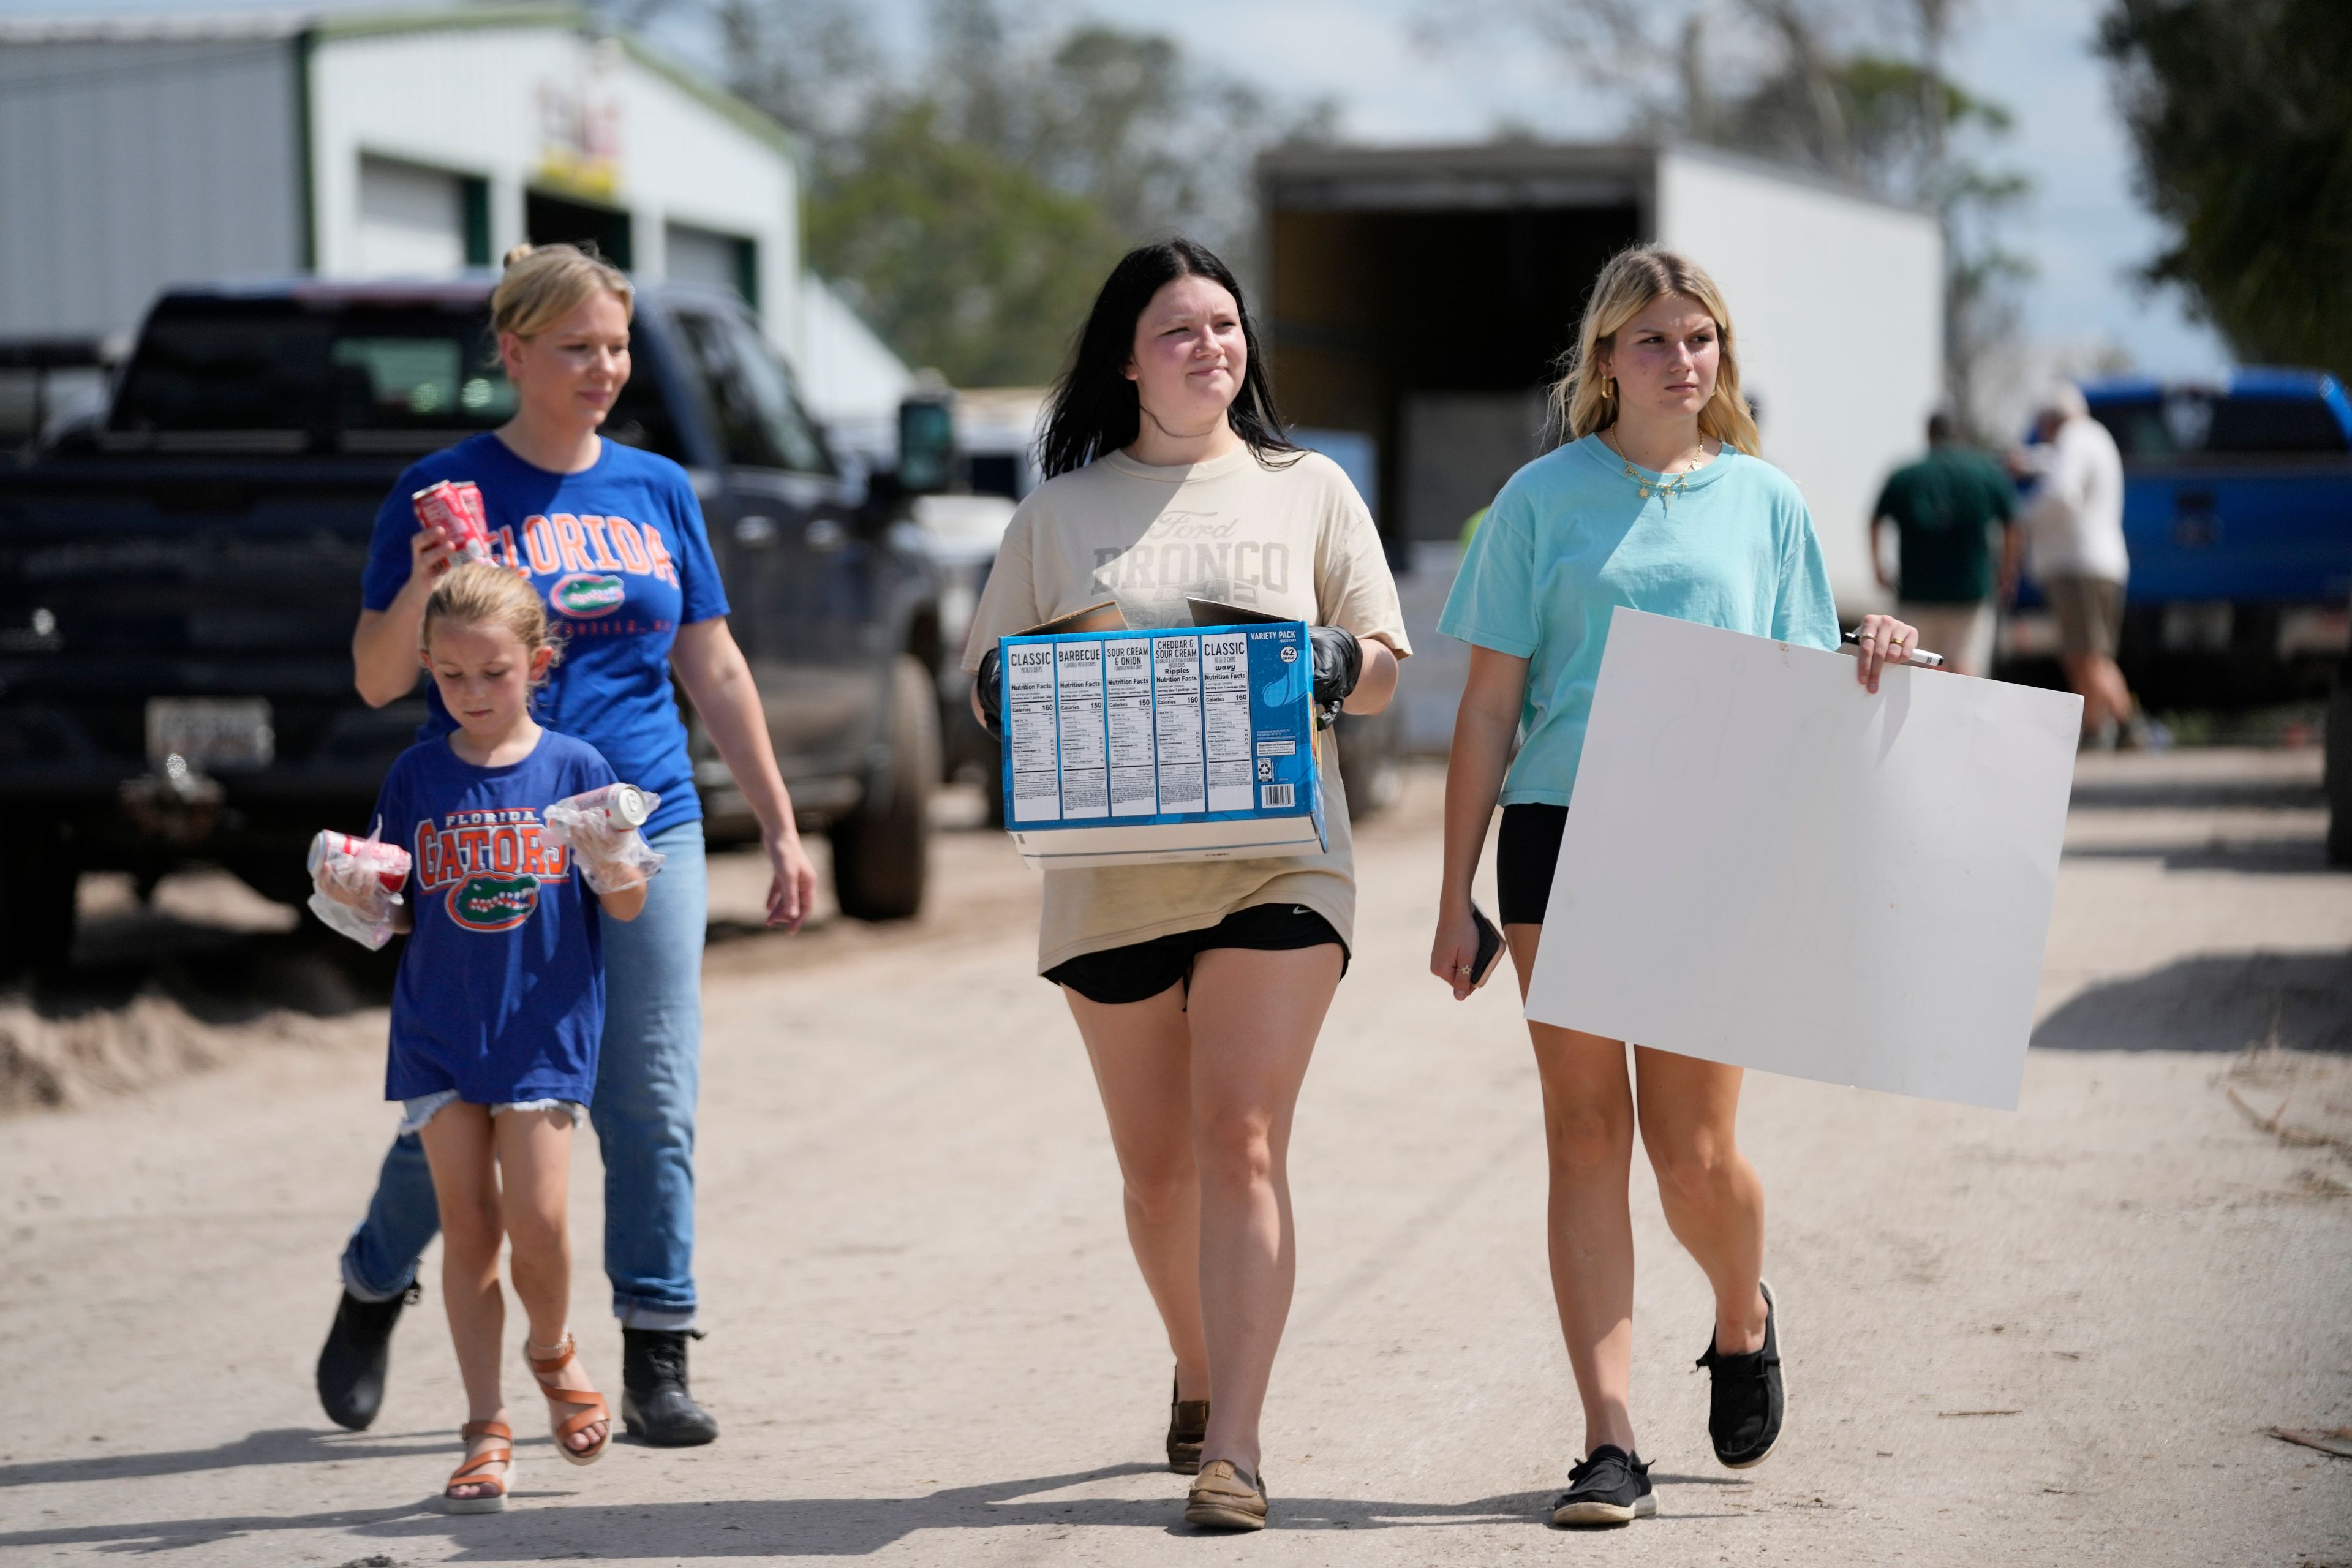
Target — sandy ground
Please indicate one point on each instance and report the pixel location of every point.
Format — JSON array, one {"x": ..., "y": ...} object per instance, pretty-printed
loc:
[{"x": 2053, "y": 1336}]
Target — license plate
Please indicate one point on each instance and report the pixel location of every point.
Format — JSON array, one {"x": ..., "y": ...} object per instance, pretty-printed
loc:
[{"x": 211, "y": 731}]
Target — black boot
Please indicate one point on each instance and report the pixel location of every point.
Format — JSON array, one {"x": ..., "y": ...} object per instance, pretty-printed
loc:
[
  {"x": 352, "y": 1363},
  {"x": 656, "y": 1408}
]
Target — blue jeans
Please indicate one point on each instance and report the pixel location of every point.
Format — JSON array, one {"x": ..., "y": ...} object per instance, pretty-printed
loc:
[{"x": 648, "y": 1073}]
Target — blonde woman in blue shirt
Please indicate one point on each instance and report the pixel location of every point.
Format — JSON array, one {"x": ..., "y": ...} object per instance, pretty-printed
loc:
[{"x": 1657, "y": 501}]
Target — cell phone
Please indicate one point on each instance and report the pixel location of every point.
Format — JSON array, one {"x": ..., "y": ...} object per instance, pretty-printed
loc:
[{"x": 1490, "y": 948}]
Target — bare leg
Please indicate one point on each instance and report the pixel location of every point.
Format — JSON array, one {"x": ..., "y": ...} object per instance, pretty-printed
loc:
[
  {"x": 2099, "y": 683},
  {"x": 1712, "y": 1195},
  {"x": 1589, "y": 1136},
  {"x": 535, "y": 1162},
  {"x": 1141, "y": 1053},
  {"x": 1255, "y": 1016},
  {"x": 2120, "y": 700},
  {"x": 457, "y": 1146}
]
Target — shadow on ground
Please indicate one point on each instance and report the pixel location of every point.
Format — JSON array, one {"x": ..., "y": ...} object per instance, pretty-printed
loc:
[
  {"x": 2290, "y": 857},
  {"x": 788, "y": 1527},
  {"x": 2216, "y": 1002}
]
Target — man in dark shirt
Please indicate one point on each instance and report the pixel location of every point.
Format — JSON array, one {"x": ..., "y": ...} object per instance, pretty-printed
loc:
[{"x": 1944, "y": 509}]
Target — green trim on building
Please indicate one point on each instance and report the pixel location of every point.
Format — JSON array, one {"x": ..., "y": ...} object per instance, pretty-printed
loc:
[
  {"x": 521, "y": 13},
  {"x": 747, "y": 273},
  {"x": 306, "y": 199},
  {"x": 475, "y": 191}
]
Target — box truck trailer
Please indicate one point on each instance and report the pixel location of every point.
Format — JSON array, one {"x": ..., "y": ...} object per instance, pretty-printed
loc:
[{"x": 1423, "y": 297}]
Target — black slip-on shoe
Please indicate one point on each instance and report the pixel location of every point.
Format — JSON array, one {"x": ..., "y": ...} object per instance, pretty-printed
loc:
[
  {"x": 1612, "y": 1487},
  {"x": 355, "y": 1358},
  {"x": 656, "y": 1408},
  {"x": 1188, "y": 1424},
  {"x": 1748, "y": 1400}
]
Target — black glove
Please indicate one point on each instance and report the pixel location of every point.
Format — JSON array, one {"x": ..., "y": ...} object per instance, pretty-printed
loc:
[
  {"x": 1339, "y": 665},
  {"x": 989, "y": 681}
]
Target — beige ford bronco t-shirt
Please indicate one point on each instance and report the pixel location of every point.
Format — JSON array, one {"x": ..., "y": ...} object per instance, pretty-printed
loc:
[{"x": 1294, "y": 541}]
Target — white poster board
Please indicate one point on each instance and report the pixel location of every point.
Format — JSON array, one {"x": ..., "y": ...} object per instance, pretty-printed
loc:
[{"x": 1764, "y": 865}]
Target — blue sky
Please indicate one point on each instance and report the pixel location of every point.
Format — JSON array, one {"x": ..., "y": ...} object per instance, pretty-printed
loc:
[{"x": 2084, "y": 231}]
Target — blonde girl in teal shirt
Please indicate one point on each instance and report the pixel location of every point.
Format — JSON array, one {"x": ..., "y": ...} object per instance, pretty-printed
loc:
[{"x": 1657, "y": 501}]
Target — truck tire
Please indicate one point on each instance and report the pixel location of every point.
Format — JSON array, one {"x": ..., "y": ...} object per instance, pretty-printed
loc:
[
  {"x": 36, "y": 910},
  {"x": 2339, "y": 772},
  {"x": 881, "y": 851},
  {"x": 1372, "y": 767}
]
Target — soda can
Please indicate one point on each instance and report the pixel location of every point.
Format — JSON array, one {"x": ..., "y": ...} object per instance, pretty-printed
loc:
[
  {"x": 625, "y": 807},
  {"x": 454, "y": 507},
  {"x": 389, "y": 862}
]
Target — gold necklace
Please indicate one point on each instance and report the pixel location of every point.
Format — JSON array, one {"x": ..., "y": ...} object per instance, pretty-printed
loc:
[{"x": 1663, "y": 489}]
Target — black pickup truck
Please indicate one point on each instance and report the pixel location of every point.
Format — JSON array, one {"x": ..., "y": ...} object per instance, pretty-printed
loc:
[{"x": 179, "y": 581}]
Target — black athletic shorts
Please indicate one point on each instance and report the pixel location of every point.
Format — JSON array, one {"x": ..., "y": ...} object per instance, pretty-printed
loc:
[
  {"x": 1525, "y": 854},
  {"x": 1143, "y": 970}
]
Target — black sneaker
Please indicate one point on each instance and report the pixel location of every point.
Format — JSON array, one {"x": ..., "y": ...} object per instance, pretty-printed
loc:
[
  {"x": 656, "y": 1408},
  {"x": 1612, "y": 1487},
  {"x": 358, "y": 1352},
  {"x": 1743, "y": 1416}
]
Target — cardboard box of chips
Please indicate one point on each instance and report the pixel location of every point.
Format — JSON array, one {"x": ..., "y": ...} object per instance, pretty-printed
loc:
[{"x": 1134, "y": 747}]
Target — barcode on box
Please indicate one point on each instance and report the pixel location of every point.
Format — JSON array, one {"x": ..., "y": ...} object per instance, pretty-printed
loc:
[{"x": 1278, "y": 796}]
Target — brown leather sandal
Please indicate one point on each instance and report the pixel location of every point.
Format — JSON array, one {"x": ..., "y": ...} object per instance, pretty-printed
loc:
[
  {"x": 469, "y": 1474},
  {"x": 1188, "y": 1424},
  {"x": 591, "y": 1404}
]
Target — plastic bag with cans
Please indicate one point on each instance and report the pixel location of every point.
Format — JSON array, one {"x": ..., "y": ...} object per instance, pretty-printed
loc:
[
  {"x": 600, "y": 827},
  {"x": 365, "y": 876}
]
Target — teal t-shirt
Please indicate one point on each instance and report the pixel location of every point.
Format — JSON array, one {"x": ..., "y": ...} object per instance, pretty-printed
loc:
[{"x": 1570, "y": 538}]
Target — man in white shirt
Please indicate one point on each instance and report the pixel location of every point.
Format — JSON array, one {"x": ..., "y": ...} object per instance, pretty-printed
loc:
[{"x": 2073, "y": 524}]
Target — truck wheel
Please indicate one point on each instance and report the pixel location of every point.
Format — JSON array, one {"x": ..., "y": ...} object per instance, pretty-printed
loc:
[
  {"x": 36, "y": 910},
  {"x": 881, "y": 851},
  {"x": 1370, "y": 769},
  {"x": 2339, "y": 772}
]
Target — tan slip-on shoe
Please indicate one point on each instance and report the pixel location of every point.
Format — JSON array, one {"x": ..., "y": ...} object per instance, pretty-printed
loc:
[{"x": 1225, "y": 1497}]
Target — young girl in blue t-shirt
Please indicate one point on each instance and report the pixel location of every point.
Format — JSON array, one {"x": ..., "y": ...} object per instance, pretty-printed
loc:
[{"x": 499, "y": 1003}]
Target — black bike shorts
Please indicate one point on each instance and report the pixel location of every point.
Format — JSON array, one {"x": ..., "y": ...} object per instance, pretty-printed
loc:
[
  {"x": 1525, "y": 852},
  {"x": 1143, "y": 970}
]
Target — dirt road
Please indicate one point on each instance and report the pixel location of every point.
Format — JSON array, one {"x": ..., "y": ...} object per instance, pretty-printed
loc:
[{"x": 2054, "y": 1336}]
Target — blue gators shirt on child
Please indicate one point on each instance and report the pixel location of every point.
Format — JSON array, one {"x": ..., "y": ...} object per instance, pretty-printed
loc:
[
  {"x": 1570, "y": 538},
  {"x": 619, "y": 553},
  {"x": 501, "y": 989}
]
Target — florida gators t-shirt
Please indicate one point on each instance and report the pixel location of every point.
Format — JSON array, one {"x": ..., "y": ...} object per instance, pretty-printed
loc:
[
  {"x": 619, "y": 553},
  {"x": 500, "y": 993}
]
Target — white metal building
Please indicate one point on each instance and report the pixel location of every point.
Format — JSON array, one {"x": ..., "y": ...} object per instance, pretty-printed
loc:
[{"x": 141, "y": 152}]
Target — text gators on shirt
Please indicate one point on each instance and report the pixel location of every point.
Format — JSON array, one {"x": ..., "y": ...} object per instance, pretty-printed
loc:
[{"x": 495, "y": 860}]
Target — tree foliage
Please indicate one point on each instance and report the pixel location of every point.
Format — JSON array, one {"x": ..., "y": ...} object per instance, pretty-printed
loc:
[
  {"x": 2240, "y": 111},
  {"x": 1858, "y": 93},
  {"x": 971, "y": 200}
]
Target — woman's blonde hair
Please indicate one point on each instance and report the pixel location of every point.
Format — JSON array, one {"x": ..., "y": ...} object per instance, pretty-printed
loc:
[
  {"x": 545, "y": 283},
  {"x": 480, "y": 593},
  {"x": 1584, "y": 399}
]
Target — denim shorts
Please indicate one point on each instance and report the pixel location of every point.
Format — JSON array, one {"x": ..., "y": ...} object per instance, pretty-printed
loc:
[{"x": 415, "y": 1114}]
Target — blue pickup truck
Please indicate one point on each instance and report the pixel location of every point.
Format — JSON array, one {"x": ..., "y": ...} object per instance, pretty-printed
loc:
[{"x": 2238, "y": 511}]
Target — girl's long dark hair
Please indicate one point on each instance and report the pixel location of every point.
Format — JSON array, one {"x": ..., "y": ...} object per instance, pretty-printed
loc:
[{"x": 1094, "y": 408}]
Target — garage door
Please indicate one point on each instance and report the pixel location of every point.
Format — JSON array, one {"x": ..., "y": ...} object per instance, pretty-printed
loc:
[{"x": 412, "y": 220}]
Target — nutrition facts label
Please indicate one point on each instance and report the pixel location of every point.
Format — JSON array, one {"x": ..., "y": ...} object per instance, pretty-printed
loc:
[
  {"x": 1152, "y": 727},
  {"x": 1225, "y": 718}
]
